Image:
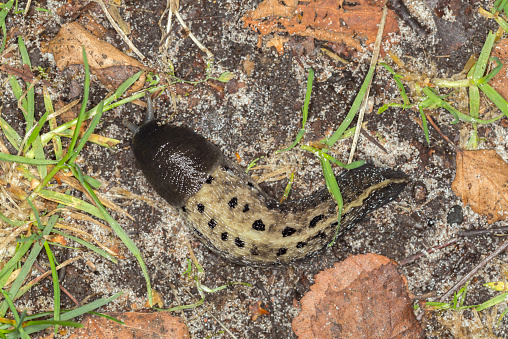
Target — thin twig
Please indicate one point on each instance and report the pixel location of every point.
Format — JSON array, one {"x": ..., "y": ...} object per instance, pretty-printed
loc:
[
  {"x": 373, "y": 140},
  {"x": 468, "y": 276},
  {"x": 373, "y": 62},
  {"x": 473, "y": 233},
  {"x": 64, "y": 290},
  {"x": 196, "y": 41},
  {"x": 429, "y": 118},
  {"x": 412, "y": 258},
  {"x": 47, "y": 273},
  {"x": 119, "y": 30}
]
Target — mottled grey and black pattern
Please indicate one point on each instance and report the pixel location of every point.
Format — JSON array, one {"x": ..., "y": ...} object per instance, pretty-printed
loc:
[{"x": 230, "y": 213}]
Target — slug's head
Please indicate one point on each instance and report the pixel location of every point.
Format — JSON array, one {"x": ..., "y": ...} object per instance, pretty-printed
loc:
[{"x": 175, "y": 160}]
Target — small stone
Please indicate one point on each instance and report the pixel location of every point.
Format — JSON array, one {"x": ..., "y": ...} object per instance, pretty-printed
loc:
[{"x": 455, "y": 215}]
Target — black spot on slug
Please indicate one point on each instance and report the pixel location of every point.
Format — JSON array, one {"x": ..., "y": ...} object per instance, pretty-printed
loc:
[
  {"x": 258, "y": 225},
  {"x": 225, "y": 168},
  {"x": 184, "y": 209},
  {"x": 322, "y": 235},
  {"x": 212, "y": 223},
  {"x": 246, "y": 208},
  {"x": 254, "y": 251},
  {"x": 288, "y": 231},
  {"x": 233, "y": 202},
  {"x": 224, "y": 236},
  {"x": 201, "y": 208},
  {"x": 209, "y": 179},
  {"x": 282, "y": 251},
  {"x": 334, "y": 224},
  {"x": 239, "y": 242},
  {"x": 315, "y": 220},
  {"x": 250, "y": 184},
  {"x": 301, "y": 244}
]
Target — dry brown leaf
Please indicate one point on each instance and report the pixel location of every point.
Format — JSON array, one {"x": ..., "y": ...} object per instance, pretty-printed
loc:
[
  {"x": 482, "y": 182},
  {"x": 137, "y": 325},
  {"x": 157, "y": 300},
  {"x": 108, "y": 63},
  {"x": 278, "y": 43},
  {"x": 500, "y": 81},
  {"x": 327, "y": 20},
  {"x": 248, "y": 66},
  {"x": 269, "y": 8},
  {"x": 361, "y": 297},
  {"x": 256, "y": 310}
]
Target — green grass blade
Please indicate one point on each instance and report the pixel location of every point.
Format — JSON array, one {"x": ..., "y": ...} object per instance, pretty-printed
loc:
[
  {"x": 305, "y": 112},
  {"x": 91, "y": 128},
  {"x": 424, "y": 124},
  {"x": 56, "y": 285},
  {"x": 30, "y": 108},
  {"x": 23, "y": 160},
  {"x": 39, "y": 155},
  {"x": 483, "y": 59},
  {"x": 4, "y": 39},
  {"x": 57, "y": 142},
  {"x": 88, "y": 245},
  {"x": 27, "y": 266},
  {"x": 400, "y": 86},
  {"x": 455, "y": 112},
  {"x": 491, "y": 302},
  {"x": 71, "y": 201},
  {"x": 333, "y": 188},
  {"x": 493, "y": 73},
  {"x": 118, "y": 230},
  {"x": 495, "y": 97},
  {"x": 354, "y": 108},
  {"x": 71, "y": 314},
  {"x": 108, "y": 105},
  {"x": 320, "y": 154},
  {"x": 82, "y": 112},
  {"x": 11, "y": 134},
  {"x": 9, "y": 266},
  {"x": 474, "y": 102},
  {"x": 5, "y": 9}
]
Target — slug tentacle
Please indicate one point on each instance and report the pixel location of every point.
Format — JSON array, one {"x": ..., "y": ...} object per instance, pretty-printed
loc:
[{"x": 232, "y": 215}]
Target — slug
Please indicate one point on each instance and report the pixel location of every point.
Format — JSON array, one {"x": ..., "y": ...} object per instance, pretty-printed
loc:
[{"x": 229, "y": 213}]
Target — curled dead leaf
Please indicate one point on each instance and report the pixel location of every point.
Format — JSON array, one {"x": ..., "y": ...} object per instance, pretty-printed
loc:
[
  {"x": 482, "y": 182},
  {"x": 256, "y": 311},
  {"x": 361, "y": 297},
  {"x": 108, "y": 63},
  {"x": 157, "y": 300}
]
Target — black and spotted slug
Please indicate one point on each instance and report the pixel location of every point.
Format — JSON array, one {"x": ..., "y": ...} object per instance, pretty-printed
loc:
[{"x": 231, "y": 214}]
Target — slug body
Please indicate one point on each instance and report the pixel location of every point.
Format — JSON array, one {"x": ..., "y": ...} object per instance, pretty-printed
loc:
[{"x": 232, "y": 215}]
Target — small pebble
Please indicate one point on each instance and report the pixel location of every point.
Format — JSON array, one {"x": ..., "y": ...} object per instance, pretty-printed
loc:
[{"x": 455, "y": 215}]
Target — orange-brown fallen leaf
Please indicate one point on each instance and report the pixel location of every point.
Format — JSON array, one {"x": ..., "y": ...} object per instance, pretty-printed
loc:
[
  {"x": 500, "y": 81},
  {"x": 482, "y": 182},
  {"x": 278, "y": 43},
  {"x": 108, "y": 63},
  {"x": 329, "y": 20},
  {"x": 137, "y": 325},
  {"x": 256, "y": 310},
  {"x": 361, "y": 297},
  {"x": 248, "y": 65}
]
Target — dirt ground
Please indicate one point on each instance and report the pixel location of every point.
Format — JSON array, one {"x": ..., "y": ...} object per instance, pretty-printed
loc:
[{"x": 254, "y": 115}]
